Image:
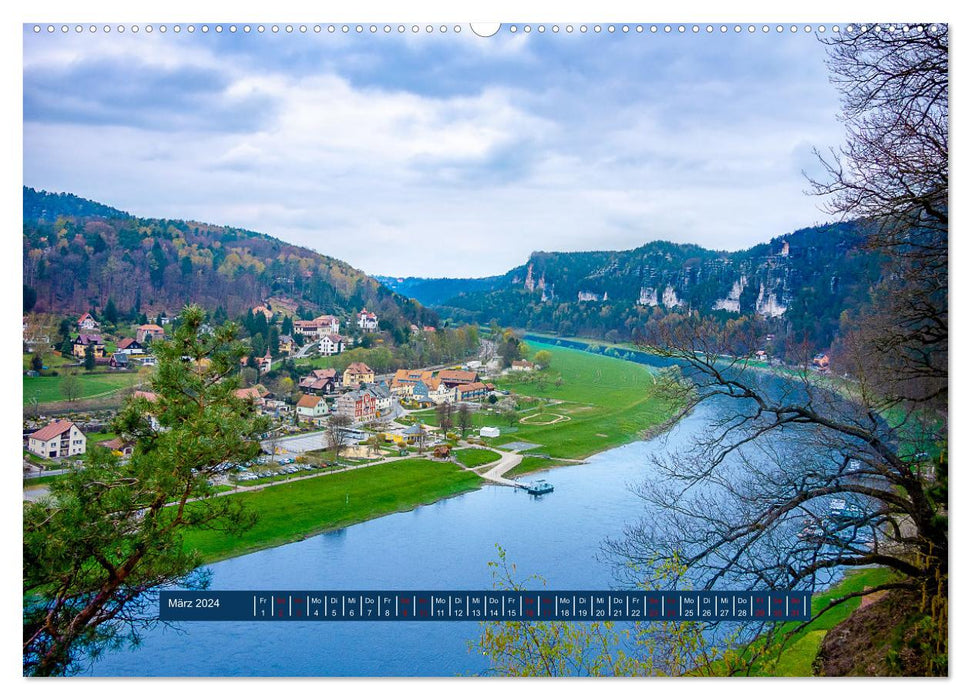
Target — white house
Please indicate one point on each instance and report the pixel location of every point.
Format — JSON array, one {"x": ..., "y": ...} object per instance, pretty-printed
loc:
[
  {"x": 60, "y": 438},
  {"x": 311, "y": 407},
  {"x": 331, "y": 344},
  {"x": 328, "y": 324},
  {"x": 439, "y": 392},
  {"x": 130, "y": 346},
  {"x": 367, "y": 321},
  {"x": 265, "y": 363},
  {"x": 87, "y": 323},
  {"x": 382, "y": 397},
  {"x": 486, "y": 431}
]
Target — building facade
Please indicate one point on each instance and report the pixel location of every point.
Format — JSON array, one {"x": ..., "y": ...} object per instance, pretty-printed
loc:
[{"x": 60, "y": 438}]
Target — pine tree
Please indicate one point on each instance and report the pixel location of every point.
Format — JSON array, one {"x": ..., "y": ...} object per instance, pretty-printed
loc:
[{"x": 113, "y": 531}]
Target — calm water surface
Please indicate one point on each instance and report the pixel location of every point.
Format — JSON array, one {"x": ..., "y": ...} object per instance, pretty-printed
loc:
[{"x": 444, "y": 545}]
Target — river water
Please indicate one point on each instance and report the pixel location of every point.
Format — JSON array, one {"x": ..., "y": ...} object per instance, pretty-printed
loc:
[{"x": 445, "y": 545}]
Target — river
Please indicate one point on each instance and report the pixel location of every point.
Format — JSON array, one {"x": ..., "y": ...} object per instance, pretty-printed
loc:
[{"x": 445, "y": 545}]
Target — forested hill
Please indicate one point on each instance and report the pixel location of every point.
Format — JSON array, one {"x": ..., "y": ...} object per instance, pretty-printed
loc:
[
  {"x": 800, "y": 282},
  {"x": 78, "y": 254}
]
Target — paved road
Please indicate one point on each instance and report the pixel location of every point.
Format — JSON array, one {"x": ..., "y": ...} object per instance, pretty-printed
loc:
[
  {"x": 505, "y": 464},
  {"x": 305, "y": 350}
]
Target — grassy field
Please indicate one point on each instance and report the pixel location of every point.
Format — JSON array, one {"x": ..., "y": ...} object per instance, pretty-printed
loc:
[
  {"x": 289, "y": 512},
  {"x": 797, "y": 657},
  {"x": 47, "y": 389},
  {"x": 531, "y": 464},
  {"x": 600, "y": 402},
  {"x": 475, "y": 457}
]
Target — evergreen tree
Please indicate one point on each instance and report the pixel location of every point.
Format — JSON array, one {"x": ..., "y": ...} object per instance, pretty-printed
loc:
[
  {"x": 114, "y": 530},
  {"x": 111, "y": 312},
  {"x": 89, "y": 360}
]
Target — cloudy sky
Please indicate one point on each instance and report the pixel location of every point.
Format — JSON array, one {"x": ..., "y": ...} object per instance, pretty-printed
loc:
[{"x": 438, "y": 155}]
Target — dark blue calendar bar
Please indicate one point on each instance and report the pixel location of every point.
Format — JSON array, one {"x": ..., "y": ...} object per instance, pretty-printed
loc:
[{"x": 481, "y": 606}]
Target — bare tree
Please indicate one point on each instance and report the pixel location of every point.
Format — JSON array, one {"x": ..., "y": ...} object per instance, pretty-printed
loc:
[
  {"x": 797, "y": 477},
  {"x": 892, "y": 175},
  {"x": 464, "y": 418},
  {"x": 70, "y": 386},
  {"x": 338, "y": 433},
  {"x": 444, "y": 412},
  {"x": 793, "y": 479}
]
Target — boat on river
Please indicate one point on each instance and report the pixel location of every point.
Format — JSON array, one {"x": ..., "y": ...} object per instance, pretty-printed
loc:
[{"x": 537, "y": 488}]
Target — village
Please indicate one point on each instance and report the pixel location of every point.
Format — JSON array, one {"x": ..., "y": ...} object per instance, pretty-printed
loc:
[{"x": 331, "y": 418}]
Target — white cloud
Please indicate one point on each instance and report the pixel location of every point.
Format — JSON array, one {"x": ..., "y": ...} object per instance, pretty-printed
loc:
[{"x": 427, "y": 181}]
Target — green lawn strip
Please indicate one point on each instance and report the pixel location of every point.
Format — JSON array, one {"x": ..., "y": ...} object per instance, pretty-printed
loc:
[
  {"x": 531, "y": 464},
  {"x": 608, "y": 401},
  {"x": 51, "y": 361},
  {"x": 799, "y": 652},
  {"x": 292, "y": 511},
  {"x": 40, "y": 461},
  {"x": 42, "y": 480},
  {"x": 47, "y": 389},
  {"x": 475, "y": 456}
]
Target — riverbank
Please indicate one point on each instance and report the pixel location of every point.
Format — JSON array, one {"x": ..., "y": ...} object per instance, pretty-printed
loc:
[
  {"x": 601, "y": 402},
  {"x": 290, "y": 512}
]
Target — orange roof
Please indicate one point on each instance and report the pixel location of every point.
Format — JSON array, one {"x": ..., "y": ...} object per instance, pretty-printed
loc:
[
  {"x": 413, "y": 375},
  {"x": 251, "y": 392},
  {"x": 465, "y": 388},
  {"x": 52, "y": 430},
  {"x": 151, "y": 327},
  {"x": 309, "y": 401},
  {"x": 359, "y": 368},
  {"x": 457, "y": 375}
]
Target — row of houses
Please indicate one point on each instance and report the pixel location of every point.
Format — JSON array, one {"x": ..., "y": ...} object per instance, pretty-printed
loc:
[
  {"x": 449, "y": 385},
  {"x": 329, "y": 380},
  {"x": 361, "y": 405},
  {"x": 329, "y": 326}
]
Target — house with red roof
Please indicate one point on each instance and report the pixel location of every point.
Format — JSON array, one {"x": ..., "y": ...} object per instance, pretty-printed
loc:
[
  {"x": 312, "y": 407},
  {"x": 320, "y": 381},
  {"x": 130, "y": 346},
  {"x": 87, "y": 323},
  {"x": 331, "y": 344},
  {"x": 457, "y": 377},
  {"x": 358, "y": 373},
  {"x": 149, "y": 332},
  {"x": 79, "y": 346},
  {"x": 60, "y": 438},
  {"x": 367, "y": 321},
  {"x": 359, "y": 406},
  {"x": 471, "y": 392}
]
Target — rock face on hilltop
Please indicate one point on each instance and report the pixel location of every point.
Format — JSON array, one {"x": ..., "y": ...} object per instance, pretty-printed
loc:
[
  {"x": 802, "y": 280},
  {"x": 78, "y": 254}
]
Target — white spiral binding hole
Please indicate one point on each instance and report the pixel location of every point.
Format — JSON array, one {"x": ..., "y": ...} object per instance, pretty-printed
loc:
[{"x": 486, "y": 30}]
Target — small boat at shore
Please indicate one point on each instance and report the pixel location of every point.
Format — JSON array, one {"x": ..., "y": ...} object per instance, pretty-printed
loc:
[{"x": 537, "y": 488}]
